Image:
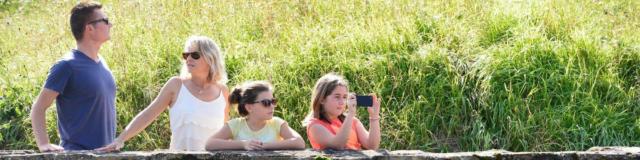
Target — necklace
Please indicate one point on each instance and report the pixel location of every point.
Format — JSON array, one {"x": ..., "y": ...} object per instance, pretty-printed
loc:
[{"x": 202, "y": 89}]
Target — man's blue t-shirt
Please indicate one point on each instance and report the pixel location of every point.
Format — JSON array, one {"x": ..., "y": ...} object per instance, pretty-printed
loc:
[{"x": 86, "y": 101}]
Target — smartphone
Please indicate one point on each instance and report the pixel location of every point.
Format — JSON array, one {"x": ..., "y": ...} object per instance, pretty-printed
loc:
[{"x": 364, "y": 101}]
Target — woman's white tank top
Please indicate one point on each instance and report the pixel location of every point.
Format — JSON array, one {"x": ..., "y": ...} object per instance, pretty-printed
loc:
[{"x": 193, "y": 121}]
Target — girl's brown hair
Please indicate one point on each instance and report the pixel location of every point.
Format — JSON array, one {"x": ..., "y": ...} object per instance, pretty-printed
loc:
[{"x": 323, "y": 88}]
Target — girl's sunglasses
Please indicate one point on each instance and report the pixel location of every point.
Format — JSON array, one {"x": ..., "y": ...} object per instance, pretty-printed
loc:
[
  {"x": 267, "y": 102},
  {"x": 194, "y": 55}
]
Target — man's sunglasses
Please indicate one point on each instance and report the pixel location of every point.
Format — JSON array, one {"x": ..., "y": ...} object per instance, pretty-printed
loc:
[
  {"x": 194, "y": 55},
  {"x": 267, "y": 102},
  {"x": 105, "y": 20}
]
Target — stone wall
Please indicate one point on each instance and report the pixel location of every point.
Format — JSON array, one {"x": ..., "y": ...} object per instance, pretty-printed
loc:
[{"x": 593, "y": 153}]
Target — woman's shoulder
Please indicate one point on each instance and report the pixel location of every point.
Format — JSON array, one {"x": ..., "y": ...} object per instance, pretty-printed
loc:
[
  {"x": 174, "y": 81},
  {"x": 222, "y": 86},
  {"x": 173, "y": 84}
]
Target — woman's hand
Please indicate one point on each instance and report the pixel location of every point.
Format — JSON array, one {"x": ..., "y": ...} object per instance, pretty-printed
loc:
[{"x": 116, "y": 145}]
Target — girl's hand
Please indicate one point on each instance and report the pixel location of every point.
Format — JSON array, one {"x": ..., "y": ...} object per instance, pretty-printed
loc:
[
  {"x": 351, "y": 105},
  {"x": 252, "y": 145},
  {"x": 374, "y": 111}
]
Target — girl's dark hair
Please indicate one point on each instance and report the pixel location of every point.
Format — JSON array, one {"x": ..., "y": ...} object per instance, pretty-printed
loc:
[{"x": 247, "y": 93}]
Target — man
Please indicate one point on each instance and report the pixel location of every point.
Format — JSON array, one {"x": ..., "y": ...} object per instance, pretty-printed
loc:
[{"x": 83, "y": 87}]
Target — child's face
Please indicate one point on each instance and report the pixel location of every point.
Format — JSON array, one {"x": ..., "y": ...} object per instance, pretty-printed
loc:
[
  {"x": 261, "y": 111},
  {"x": 335, "y": 103}
]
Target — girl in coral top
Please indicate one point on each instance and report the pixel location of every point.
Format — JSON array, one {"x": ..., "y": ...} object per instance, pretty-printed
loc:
[{"x": 324, "y": 123}]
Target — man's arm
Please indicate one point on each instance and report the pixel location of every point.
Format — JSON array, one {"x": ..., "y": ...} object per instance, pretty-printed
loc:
[{"x": 38, "y": 122}]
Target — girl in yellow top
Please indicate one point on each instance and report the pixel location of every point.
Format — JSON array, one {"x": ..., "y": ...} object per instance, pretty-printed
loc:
[{"x": 257, "y": 129}]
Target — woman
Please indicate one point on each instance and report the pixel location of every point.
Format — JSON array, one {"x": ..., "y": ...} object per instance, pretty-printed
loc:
[
  {"x": 196, "y": 100},
  {"x": 327, "y": 125},
  {"x": 257, "y": 129}
]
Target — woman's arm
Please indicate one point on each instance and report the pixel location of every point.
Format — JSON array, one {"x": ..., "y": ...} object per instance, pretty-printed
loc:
[
  {"x": 225, "y": 91},
  {"x": 148, "y": 115},
  {"x": 222, "y": 141},
  {"x": 292, "y": 140}
]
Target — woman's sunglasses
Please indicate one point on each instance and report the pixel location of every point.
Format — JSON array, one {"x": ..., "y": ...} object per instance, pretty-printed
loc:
[
  {"x": 194, "y": 55},
  {"x": 267, "y": 102}
]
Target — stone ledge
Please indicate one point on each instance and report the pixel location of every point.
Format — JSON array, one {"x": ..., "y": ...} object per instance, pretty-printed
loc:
[{"x": 593, "y": 153}]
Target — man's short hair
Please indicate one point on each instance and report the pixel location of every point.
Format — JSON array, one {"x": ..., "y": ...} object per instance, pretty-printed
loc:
[{"x": 81, "y": 14}]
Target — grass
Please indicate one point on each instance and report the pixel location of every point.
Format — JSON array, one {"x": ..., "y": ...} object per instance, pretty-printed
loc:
[{"x": 458, "y": 75}]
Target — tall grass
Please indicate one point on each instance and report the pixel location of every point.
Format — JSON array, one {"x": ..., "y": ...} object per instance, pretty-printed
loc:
[{"x": 458, "y": 75}]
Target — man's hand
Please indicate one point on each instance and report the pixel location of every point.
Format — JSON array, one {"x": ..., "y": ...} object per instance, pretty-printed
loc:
[{"x": 50, "y": 148}]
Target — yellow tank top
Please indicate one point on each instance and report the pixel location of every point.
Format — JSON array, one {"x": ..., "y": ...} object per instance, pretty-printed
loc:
[{"x": 269, "y": 133}]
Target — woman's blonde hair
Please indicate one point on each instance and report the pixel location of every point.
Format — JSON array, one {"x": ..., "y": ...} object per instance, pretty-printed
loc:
[
  {"x": 211, "y": 54},
  {"x": 325, "y": 85}
]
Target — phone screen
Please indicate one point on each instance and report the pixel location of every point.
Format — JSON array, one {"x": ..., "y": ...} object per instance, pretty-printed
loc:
[{"x": 364, "y": 101}]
